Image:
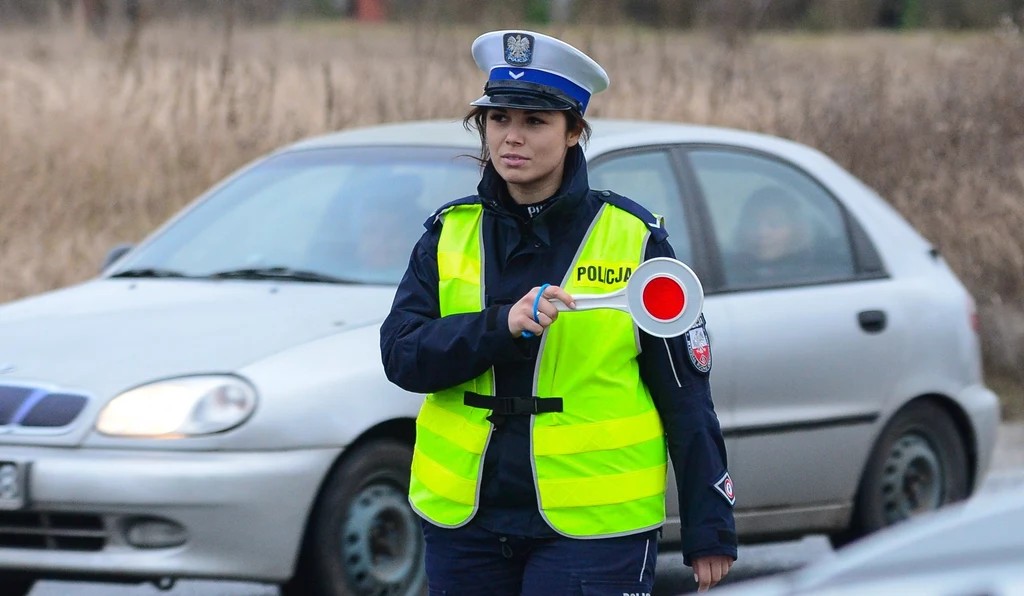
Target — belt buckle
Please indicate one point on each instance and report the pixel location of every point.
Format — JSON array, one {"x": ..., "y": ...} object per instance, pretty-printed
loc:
[
  {"x": 514, "y": 406},
  {"x": 525, "y": 405},
  {"x": 503, "y": 406}
]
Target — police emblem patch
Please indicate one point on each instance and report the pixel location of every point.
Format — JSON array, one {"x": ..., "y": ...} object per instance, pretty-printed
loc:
[
  {"x": 518, "y": 49},
  {"x": 698, "y": 348},
  {"x": 725, "y": 488}
]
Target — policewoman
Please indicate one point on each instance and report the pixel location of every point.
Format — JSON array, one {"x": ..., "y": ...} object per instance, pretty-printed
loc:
[{"x": 541, "y": 449}]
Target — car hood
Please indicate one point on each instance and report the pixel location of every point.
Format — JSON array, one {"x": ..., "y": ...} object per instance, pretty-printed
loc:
[{"x": 107, "y": 335}]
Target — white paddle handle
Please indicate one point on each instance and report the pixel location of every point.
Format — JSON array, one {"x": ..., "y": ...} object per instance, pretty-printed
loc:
[{"x": 616, "y": 300}]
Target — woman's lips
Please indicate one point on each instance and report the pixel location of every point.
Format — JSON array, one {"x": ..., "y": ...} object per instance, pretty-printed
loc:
[{"x": 513, "y": 160}]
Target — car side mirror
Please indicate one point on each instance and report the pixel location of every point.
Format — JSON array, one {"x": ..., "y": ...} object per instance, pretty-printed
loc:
[{"x": 116, "y": 253}]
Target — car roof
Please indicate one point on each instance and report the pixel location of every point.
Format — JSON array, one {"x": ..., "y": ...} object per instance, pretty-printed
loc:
[{"x": 608, "y": 135}]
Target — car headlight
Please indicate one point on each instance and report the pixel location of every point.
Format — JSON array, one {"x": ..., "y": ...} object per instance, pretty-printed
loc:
[{"x": 183, "y": 407}]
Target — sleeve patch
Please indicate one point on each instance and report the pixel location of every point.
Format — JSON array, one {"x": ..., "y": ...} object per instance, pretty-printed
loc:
[
  {"x": 698, "y": 346},
  {"x": 725, "y": 488}
]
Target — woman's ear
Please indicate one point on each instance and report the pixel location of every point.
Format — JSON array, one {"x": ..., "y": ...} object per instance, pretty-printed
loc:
[{"x": 572, "y": 138}]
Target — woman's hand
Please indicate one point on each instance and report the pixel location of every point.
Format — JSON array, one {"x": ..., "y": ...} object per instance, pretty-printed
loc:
[
  {"x": 520, "y": 317},
  {"x": 708, "y": 571}
]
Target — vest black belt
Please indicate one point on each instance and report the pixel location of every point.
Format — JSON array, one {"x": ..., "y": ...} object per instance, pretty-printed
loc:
[{"x": 513, "y": 406}]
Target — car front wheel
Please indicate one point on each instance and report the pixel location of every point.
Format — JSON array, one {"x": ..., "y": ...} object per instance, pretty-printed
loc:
[
  {"x": 15, "y": 586},
  {"x": 363, "y": 537},
  {"x": 918, "y": 465}
]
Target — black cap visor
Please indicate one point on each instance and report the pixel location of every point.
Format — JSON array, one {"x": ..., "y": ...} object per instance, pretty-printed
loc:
[{"x": 523, "y": 95}]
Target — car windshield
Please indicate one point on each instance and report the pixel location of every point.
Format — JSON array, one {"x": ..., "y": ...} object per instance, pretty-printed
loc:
[{"x": 340, "y": 215}]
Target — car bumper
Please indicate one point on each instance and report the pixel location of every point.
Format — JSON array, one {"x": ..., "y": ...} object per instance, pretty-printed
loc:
[
  {"x": 982, "y": 407},
  {"x": 243, "y": 514}
]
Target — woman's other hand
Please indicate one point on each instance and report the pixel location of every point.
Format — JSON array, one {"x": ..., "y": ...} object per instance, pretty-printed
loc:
[{"x": 708, "y": 571}]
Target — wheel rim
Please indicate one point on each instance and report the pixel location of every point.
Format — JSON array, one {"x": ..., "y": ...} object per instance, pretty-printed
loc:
[
  {"x": 913, "y": 479},
  {"x": 381, "y": 543}
]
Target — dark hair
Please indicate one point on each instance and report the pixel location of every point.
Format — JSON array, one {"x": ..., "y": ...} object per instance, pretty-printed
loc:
[{"x": 476, "y": 119}]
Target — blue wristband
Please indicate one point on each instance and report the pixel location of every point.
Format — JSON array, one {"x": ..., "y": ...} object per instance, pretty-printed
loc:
[{"x": 536, "y": 303}]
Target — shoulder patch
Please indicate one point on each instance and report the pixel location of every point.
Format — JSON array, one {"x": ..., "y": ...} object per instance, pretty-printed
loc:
[
  {"x": 698, "y": 346},
  {"x": 725, "y": 488},
  {"x": 436, "y": 216},
  {"x": 655, "y": 223}
]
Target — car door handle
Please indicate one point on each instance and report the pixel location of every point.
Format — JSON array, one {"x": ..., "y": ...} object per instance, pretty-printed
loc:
[{"x": 872, "y": 321}]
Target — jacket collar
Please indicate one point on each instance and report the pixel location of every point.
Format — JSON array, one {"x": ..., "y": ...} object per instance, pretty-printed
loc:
[{"x": 575, "y": 186}]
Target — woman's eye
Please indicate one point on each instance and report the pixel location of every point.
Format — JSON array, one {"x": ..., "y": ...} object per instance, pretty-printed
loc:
[
  {"x": 536, "y": 121},
  {"x": 498, "y": 117}
]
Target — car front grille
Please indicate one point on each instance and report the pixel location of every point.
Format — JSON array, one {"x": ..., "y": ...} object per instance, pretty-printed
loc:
[
  {"x": 52, "y": 531},
  {"x": 40, "y": 409}
]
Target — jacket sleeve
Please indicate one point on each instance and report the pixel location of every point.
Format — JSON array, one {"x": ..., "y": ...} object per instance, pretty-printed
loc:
[
  {"x": 682, "y": 394},
  {"x": 422, "y": 351}
]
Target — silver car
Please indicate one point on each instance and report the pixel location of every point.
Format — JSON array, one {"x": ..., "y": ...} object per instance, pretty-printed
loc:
[
  {"x": 974, "y": 547},
  {"x": 214, "y": 405}
]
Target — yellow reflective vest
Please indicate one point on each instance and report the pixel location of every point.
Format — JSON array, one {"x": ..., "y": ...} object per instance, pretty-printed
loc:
[{"x": 600, "y": 464}]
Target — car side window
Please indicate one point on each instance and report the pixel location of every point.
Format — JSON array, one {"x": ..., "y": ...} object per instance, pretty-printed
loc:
[
  {"x": 774, "y": 225},
  {"x": 648, "y": 179}
]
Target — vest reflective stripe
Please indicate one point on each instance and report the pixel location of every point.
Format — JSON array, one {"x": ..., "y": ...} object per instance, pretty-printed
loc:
[
  {"x": 600, "y": 464},
  {"x": 607, "y": 448},
  {"x": 464, "y": 433},
  {"x": 604, "y": 490},
  {"x": 442, "y": 481},
  {"x": 451, "y": 438},
  {"x": 581, "y": 438}
]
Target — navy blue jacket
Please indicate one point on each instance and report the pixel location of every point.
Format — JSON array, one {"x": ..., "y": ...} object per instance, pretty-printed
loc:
[{"x": 423, "y": 352}]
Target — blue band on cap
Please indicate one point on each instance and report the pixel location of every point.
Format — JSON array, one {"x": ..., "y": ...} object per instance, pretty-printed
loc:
[{"x": 542, "y": 77}]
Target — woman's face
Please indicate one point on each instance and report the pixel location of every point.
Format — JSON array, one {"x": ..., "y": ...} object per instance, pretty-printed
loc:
[
  {"x": 775, "y": 236},
  {"x": 528, "y": 148}
]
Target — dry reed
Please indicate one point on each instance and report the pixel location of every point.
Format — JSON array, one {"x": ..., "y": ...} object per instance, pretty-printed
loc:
[{"x": 102, "y": 141}]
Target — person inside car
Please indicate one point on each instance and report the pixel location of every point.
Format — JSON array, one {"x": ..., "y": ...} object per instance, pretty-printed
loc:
[{"x": 773, "y": 240}]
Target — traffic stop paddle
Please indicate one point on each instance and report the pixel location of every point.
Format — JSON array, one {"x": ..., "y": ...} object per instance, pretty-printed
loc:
[{"x": 664, "y": 297}]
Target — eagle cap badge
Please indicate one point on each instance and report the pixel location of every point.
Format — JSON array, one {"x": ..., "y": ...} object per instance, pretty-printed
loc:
[{"x": 518, "y": 49}]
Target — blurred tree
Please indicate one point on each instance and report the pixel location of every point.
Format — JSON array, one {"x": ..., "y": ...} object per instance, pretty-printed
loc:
[
  {"x": 734, "y": 21},
  {"x": 956, "y": 14},
  {"x": 846, "y": 14},
  {"x": 561, "y": 11},
  {"x": 721, "y": 15},
  {"x": 538, "y": 11},
  {"x": 910, "y": 14}
]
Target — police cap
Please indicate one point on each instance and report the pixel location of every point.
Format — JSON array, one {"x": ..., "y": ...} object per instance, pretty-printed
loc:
[{"x": 532, "y": 71}]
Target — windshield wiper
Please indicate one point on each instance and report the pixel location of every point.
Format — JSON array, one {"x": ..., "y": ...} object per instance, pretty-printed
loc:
[
  {"x": 149, "y": 272},
  {"x": 282, "y": 273}
]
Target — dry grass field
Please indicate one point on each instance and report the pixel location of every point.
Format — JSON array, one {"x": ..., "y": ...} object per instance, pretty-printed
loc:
[{"x": 100, "y": 141}]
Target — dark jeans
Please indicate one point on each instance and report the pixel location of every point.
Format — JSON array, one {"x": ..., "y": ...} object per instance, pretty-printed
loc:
[{"x": 471, "y": 561}]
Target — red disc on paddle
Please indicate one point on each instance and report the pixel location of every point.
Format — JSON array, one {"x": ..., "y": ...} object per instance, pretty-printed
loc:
[{"x": 663, "y": 298}]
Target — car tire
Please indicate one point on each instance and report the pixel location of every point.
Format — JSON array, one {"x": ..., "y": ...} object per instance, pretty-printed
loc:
[
  {"x": 363, "y": 537},
  {"x": 918, "y": 464},
  {"x": 16, "y": 586}
]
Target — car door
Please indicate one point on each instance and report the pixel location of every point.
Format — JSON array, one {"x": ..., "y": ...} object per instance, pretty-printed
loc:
[
  {"x": 651, "y": 177},
  {"x": 815, "y": 328}
]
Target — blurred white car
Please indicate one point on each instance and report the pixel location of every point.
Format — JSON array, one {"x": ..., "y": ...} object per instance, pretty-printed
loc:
[
  {"x": 214, "y": 404},
  {"x": 975, "y": 547}
]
